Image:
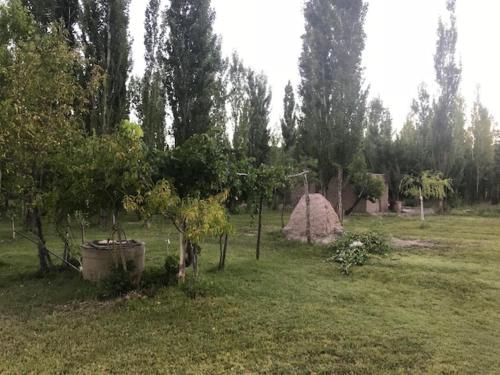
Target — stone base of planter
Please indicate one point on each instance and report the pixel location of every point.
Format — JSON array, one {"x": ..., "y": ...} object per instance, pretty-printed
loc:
[{"x": 99, "y": 258}]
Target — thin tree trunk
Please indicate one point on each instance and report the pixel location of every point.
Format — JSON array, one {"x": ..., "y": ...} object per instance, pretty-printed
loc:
[
  {"x": 226, "y": 241},
  {"x": 13, "y": 222},
  {"x": 422, "y": 211},
  {"x": 221, "y": 252},
  {"x": 308, "y": 210},
  {"x": 340, "y": 185},
  {"x": 259, "y": 228},
  {"x": 283, "y": 211},
  {"x": 477, "y": 183},
  {"x": 193, "y": 253},
  {"x": 82, "y": 233},
  {"x": 43, "y": 255},
  {"x": 182, "y": 259},
  {"x": 351, "y": 210}
]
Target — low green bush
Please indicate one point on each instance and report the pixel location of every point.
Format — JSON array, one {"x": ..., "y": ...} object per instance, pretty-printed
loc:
[
  {"x": 354, "y": 249},
  {"x": 118, "y": 283}
]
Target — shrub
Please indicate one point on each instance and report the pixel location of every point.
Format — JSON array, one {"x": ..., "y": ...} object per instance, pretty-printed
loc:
[
  {"x": 171, "y": 269},
  {"x": 355, "y": 249},
  {"x": 118, "y": 283}
]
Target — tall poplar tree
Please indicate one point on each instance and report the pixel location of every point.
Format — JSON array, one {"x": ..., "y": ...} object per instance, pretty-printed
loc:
[
  {"x": 257, "y": 109},
  {"x": 191, "y": 65},
  {"x": 289, "y": 120},
  {"x": 236, "y": 99},
  {"x": 46, "y": 12},
  {"x": 150, "y": 102},
  {"x": 448, "y": 124},
  {"x": 333, "y": 98},
  {"x": 108, "y": 49},
  {"x": 378, "y": 143},
  {"x": 483, "y": 149},
  {"x": 496, "y": 171},
  {"x": 422, "y": 114}
]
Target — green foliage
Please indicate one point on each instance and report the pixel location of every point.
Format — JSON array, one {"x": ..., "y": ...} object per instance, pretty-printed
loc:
[
  {"x": 107, "y": 47},
  {"x": 118, "y": 283},
  {"x": 148, "y": 93},
  {"x": 483, "y": 151},
  {"x": 191, "y": 70},
  {"x": 289, "y": 120},
  {"x": 171, "y": 268},
  {"x": 199, "y": 166},
  {"x": 333, "y": 98},
  {"x": 196, "y": 218},
  {"x": 447, "y": 132},
  {"x": 46, "y": 12},
  {"x": 365, "y": 185},
  {"x": 355, "y": 249},
  {"x": 257, "y": 112},
  {"x": 429, "y": 185},
  {"x": 102, "y": 170}
]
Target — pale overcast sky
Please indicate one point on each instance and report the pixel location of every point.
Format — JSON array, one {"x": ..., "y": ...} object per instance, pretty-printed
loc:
[{"x": 401, "y": 38}]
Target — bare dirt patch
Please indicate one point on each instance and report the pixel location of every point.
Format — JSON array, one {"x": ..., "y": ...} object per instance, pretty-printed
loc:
[{"x": 412, "y": 244}]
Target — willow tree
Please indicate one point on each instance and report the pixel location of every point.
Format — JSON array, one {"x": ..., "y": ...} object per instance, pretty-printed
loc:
[
  {"x": 428, "y": 185},
  {"x": 333, "y": 98}
]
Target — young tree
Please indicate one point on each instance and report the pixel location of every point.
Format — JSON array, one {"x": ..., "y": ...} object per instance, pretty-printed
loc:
[
  {"x": 107, "y": 48},
  {"x": 333, "y": 100},
  {"x": 483, "y": 148},
  {"x": 289, "y": 120},
  {"x": 365, "y": 185},
  {"x": 429, "y": 185},
  {"x": 191, "y": 66}
]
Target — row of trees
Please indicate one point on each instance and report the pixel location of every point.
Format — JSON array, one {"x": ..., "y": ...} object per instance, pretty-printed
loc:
[
  {"x": 335, "y": 123},
  {"x": 66, "y": 143}
]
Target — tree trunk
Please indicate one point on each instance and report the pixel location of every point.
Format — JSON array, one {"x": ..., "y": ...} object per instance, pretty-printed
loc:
[
  {"x": 351, "y": 210},
  {"x": 477, "y": 183},
  {"x": 422, "y": 211},
  {"x": 193, "y": 254},
  {"x": 308, "y": 210},
  {"x": 182, "y": 259},
  {"x": 43, "y": 255},
  {"x": 283, "y": 212},
  {"x": 259, "y": 228},
  {"x": 223, "y": 240},
  {"x": 340, "y": 185},
  {"x": 82, "y": 233},
  {"x": 13, "y": 223}
]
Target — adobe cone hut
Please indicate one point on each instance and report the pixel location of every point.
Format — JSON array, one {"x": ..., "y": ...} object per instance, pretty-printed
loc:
[{"x": 325, "y": 225}]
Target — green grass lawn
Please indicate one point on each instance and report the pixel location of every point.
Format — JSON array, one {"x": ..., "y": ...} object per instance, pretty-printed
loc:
[{"x": 434, "y": 311}]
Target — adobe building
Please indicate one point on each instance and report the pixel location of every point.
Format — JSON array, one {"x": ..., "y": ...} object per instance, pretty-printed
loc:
[{"x": 380, "y": 206}]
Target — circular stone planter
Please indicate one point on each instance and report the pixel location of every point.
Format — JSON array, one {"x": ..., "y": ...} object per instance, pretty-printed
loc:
[{"x": 100, "y": 257}]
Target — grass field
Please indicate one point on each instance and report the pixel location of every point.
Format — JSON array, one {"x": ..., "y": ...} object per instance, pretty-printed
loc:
[{"x": 434, "y": 311}]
